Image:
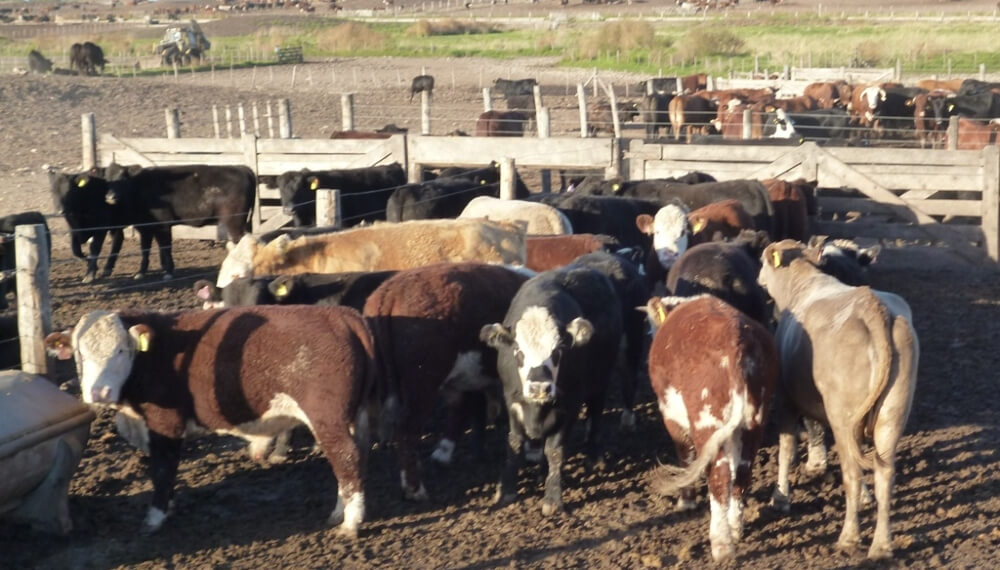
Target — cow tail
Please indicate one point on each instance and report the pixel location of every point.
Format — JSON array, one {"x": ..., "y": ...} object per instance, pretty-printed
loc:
[
  {"x": 388, "y": 391},
  {"x": 671, "y": 479},
  {"x": 878, "y": 322}
]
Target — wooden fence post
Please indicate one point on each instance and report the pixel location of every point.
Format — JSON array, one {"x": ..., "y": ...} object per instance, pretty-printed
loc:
[
  {"x": 543, "y": 118},
  {"x": 242, "y": 115},
  {"x": 173, "y": 123},
  {"x": 679, "y": 86},
  {"x": 34, "y": 314},
  {"x": 270, "y": 121},
  {"x": 953, "y": 133},
  {"x": 982, "y": 72},
  {"x": 256, "y": 120},
  {"x": 991, "y": 201},
  {"x": 425, "y": 112},
  {"x": 284, "y": 119},
  {"x": 215, "y": 121},
  {"x": 616, "y": 121},
  {"x": 328, "y": 208},
  {"x": 507, "y": 174},
  {"x": 229, "y": 122},
  {"x": 249, "y": 143},
  {"x": 487, "y": 100},
  {"x": 747, "y": 124},
  {"x": 89, "y": 131},
  {"x": 347, "y": 111},
  {"x": 537, "y": 92},
  {"x": 581, "y": 98}
]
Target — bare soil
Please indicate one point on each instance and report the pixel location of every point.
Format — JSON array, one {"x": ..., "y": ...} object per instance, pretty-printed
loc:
[{"x": 234, "y": 513}]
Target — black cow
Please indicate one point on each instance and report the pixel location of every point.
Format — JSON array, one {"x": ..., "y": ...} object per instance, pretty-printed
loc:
[
  {"x": 844, "y": 259},
  {"x": 607, "y": 215},
  {"x": 727, "y": 270},
  {"x": 334, "y": 289},
  {"x": 983, "y": 105},
  {"x": 154, "y": 199},
  {"x": 86, "y": 58},
  {"x": 654, "y": 112},
  {"x": 7, "y": 252},
  {"x": 359, "y": 197},
  {"x": 515, "y": 87},
  {"x": 448, "y": 194},
  {"x": 658, "y": 86},
  {"x": 421, "y": 83},
  {"x": 81, "y": 199},
  {"x": 38, "y": 63},
  {"x": 556, "y": 349},
  {"x": 975, "y": 86},
  {"x": 815, "y": 125}
]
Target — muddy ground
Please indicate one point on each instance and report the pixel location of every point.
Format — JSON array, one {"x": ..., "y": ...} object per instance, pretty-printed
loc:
[{"x": 234, "y": 513}]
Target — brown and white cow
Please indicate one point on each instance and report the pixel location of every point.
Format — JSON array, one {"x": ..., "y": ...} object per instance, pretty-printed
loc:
[
  {"x": 828, "y": 94},
  {"x": 690, "y": 114},
  {"x": 713, "y": 370},
  {"x": 540, "y": 219},
  {"x": 549, "y": 252},
  {"x": 671, "y": 233},
  {"x": 426, "y": 323},
  {"x": 250, "y": 371},
  {"x": 379, "y": 247},
  {"x": 974, "y": 135},
  {"x": 849, "y": 359},
  {"x": 931, "y": 129}
]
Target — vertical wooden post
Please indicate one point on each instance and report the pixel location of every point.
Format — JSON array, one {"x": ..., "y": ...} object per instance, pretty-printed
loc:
[
  {"x": 173, "y": 123},
  {"x": 544, "y": 120},
  {"x": 328, "y": 208},
  {"x": 215, "y": 121},
  {"x": 507, "y": 174},
  {"x": 616, "y": 121},
  {"x": 747, "y": 124},
  {"x": 284, "y": 119},
  {"x": 710, "y": 82},
  {"x": 487, "y": 100},
  {"x": 953, "y": 133},
  {"x": 347, "y": 111},
  {"x": 679, "y": 86},
  {"x": 249, "y": 143},
  {"x": 581, "y": 98},
  {"x": 982, "y": 72},
  {"x": 256, "y": 120},
  {"x": 270, "y": 121},
  {"x": 88, "y": 128},
  {"x": 229, "y": 122},
  {"x": 425, "y": 112},
  {"x": 34, "y": 314},
  {"x": 241, "y": 113},
  {"x": 537, "y": 92},
  {"x": 899, "y": 69},
  {"x": 991, "y": 201}
]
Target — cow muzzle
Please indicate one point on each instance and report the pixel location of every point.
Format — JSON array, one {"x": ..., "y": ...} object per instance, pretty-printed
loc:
[
  {"x": 102, "y": 395},
  {"x": 540, "y": 392}
]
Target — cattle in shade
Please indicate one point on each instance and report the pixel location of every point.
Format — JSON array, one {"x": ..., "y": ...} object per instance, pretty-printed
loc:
[
  {"x": 81, "y": 199},
  {"x": 543, "y": 253},
  {"x": 426, "y": 323},
  {"x": 718, "y": 221},
  {"x": 791, "y": 201},
  {"x": 931, "y": 129},
  {"x": 379, "y": 247},
  {"x": 713, "y": 370},
  {"x": 844, "y": 259},
  {"x": 539, "y": 219},
  {"x": 556, "y": 348},
  {"x": 8, "y": 253},
  {"x": 848, "y": 359},
  {"x": 336, "y": 289},
  {"x": 229, "y": 371},
  {"x": 501, "y": 124},
  {"x": 447, "y": 195},
  {"x": 654, "y": 113},
  {"x": 359, "y": 199},
  {"x": 420, "y": 84}
]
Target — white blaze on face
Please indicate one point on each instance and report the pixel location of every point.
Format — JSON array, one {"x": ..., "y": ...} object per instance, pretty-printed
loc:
[
  {"x": 104, "y": 356},
  {"x": 670, "y": 234},
  {"x": 872, "y": 95},
  {"x": 784, "y": 128},
  {"x": 239, "y": 262},
  {"x": 537, "y": 353}
]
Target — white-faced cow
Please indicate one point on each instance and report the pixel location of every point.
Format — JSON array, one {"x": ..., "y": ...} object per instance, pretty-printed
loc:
[
  {"x": 713, "y": 370},
  {"x": 556, "y": 348},
  {"x": 252, "y": 371},
  {"x": 848, "y": 359}
]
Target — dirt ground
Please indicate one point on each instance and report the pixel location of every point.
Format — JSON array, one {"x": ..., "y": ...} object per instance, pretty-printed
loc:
[{"x": 234, "y": 513}]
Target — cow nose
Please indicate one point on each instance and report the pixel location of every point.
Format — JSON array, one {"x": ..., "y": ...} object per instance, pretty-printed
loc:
[
  {"x": 539, "y": 391},
  {"x": 100, "y": 394}
]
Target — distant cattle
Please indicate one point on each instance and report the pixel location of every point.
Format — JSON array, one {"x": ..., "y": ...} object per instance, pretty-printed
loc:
[
  {"x": 426, "y": 324},
  {"x": 539, "y": 219},
  {"x": 658, "y": 86},
  {"x": 230, "y": 371},
  {"x": 87, "y": 58},
  {"x": 931, "y": 128},
  {"x": 848, "y": 359},
  {"x": 654, "y": 113},
  {"x": 336, "y": 289},
  {"x": 359, "y": 199},
  {"x": 420, "y": 84},
  {"x": 690, "y": 114},
  {"x": 828, "y": 94},
  {"x": 8, "y": 253},
  {"x": 543, "y": 253},
  {"x": 501, "y": 124},
  {"x": 816, "y": 125},
  {"x": 379, "y": 247},
  {"x": 713, "y": 370},
  {"x": 556, "y": 346},
  {"x": 38, "y": 63},
  {"x": 974, "y": 135},
  {"x": 515, "y": 87},
  {"x": 601, "y": 120}
]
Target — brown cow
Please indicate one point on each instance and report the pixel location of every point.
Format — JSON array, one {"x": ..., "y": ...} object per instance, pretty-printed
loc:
[
  {"x": 974, "y": 135},
  {"x": 719, "y": 221},
  {"x": 713, "y": 370},
  {"x": 931, "y": 130},
  {"x": 249, "y": 371},
  {"x": 793, "y": 105},
  {"x": 729, "y": 120},
  {"x": 426, "y": 323},
  {"x": 549, "y": 252},
  {"x": 828, "y": 94},
  {"x": 600, "y": 119},
  {"x": 690, "y": 113},
  {"x": 791, "y": 208},
  {"x": 501, "y": 124},
  {"x": 950, "y": 85}
]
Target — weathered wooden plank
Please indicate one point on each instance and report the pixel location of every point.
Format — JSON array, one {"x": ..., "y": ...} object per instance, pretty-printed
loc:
[
  {"x": 205, "y": 232},
  {"x": 784, "y": 164},
  {"x": 227, "y": 159},
  {"x": 911, "y": 156},
  {"x": 641, "y": 150},
  {"x": 327, "y": 146},
  {"x": 532, "y": 152},
  {"x": 991, "y": 201},
  {"x": 34, "y": 313},
  {"x": 850, "y": 230},
  {"x": 896, "y": 176},
  {"x": 932, "y": 207},
  {"x": 666, "y": 168},
  {"x": 726, "y": 153},
  {"x": 179, "y": 146}
]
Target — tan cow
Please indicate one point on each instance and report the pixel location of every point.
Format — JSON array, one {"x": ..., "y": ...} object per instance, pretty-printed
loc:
[
  {"x": 541, "y": 219},
  {"x": 375, "y": 248},
  {"x": 849, "y": 359}
]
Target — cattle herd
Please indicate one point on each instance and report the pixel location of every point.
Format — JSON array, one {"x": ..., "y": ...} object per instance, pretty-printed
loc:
[{"x": 440, "y": 294}]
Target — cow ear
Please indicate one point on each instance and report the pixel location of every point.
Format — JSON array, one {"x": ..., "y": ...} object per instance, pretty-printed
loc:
[
  {"x": 868, "y": 255},
  {"x": 656, "y": 312},
  {"x": 313, "y": 182},
  {"x": 779, "y": 257},
  {"x": 580, "y": 330},
  {"x": 645, "y": 223},
  {"x": 280, "y": 244},
  {"x": 82, "y": 181},
  {"x": 60, "y": 345},
  {"x": 698, "y": 223},
  {"x": 142, "y": 335},
  {"x": 496, "y": 335},
  {"x": 281, "y": 287}
]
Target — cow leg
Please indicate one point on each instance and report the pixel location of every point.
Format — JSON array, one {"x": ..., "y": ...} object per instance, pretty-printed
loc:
[
  {"x": 164, "y": 457},
  {"x": 750, "y": 443},
  {"x": 634, "y": 344},
  {"x": 816, "y": 462},
  {"x": 96, "y": 242},
  {"x": 341, "y": 450},
  {"x": 507, "y": 490},
  {"x": 145, "y": 244},
  {"x": 850, "y": 536},
  {"x": 164, "y": 242},
  {"x": 117, "y": 238},
  {"x": 720, "y": 495},
  {"x": 552, "y": 502},
  {"x": 787, "y": 431}
]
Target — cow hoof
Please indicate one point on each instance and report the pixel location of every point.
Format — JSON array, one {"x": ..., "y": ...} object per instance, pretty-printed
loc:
[
  {"x": 779, "y": 502},
  {"x": 168, "y": 277},
  {"x": 723, "y": 552},
  {"x": 880, "y": 552},
  {"x": 420, "y": 494},
  {"x": 532, "y": 454},
  {"x": 88, "y": 278},
  {"x": 138, "y": 276},
  {"x": 444, "y": 451},
  {"x": 154, "y": 521},
  {"x": 350, "y": 533},
  {"x": 550, "y": 508},
  {"x": 627, "y": 423},
  {"x": 849, "y": 544}
]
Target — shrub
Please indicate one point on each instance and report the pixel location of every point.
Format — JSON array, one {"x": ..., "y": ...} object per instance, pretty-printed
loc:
[
  {"x": 702, "y": 42},
  {"x": 349, "y": 36},
  {"x": 427, "y": 28},
  {"x": 621, "y": 36}
]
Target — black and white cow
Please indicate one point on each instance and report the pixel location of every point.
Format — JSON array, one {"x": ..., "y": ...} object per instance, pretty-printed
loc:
[
  {"x": 358, "y": 187},
  {"x": 447, "y": 195},
  {"x": 604, "y": 215},
  {"x": 556, "y": 350}
]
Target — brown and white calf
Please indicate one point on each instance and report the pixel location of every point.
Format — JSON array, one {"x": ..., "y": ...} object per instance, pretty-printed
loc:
[
  {"x": 250, "y": 371},
  {"x": 713, "y": 370},
  {"x": 848, "y": 359},
  {"x": 670, "y": 232},
  {"x": 426, "y": 323}
]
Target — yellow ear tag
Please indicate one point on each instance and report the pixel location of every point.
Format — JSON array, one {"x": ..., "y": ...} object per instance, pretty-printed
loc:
[
  {"x": 661, "y": 313},
  {"x": 951, "y": 107},
  {"x": 281, "y": 291},
  {"x": 698, "y": 226},
  {"x": 81, "y": 182},
  {"x": 314, "y": 184},
  {"x": 615, "y": 187},
  {"x": 776, "y": 258},
  {"x": 144, "y": 342}
]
